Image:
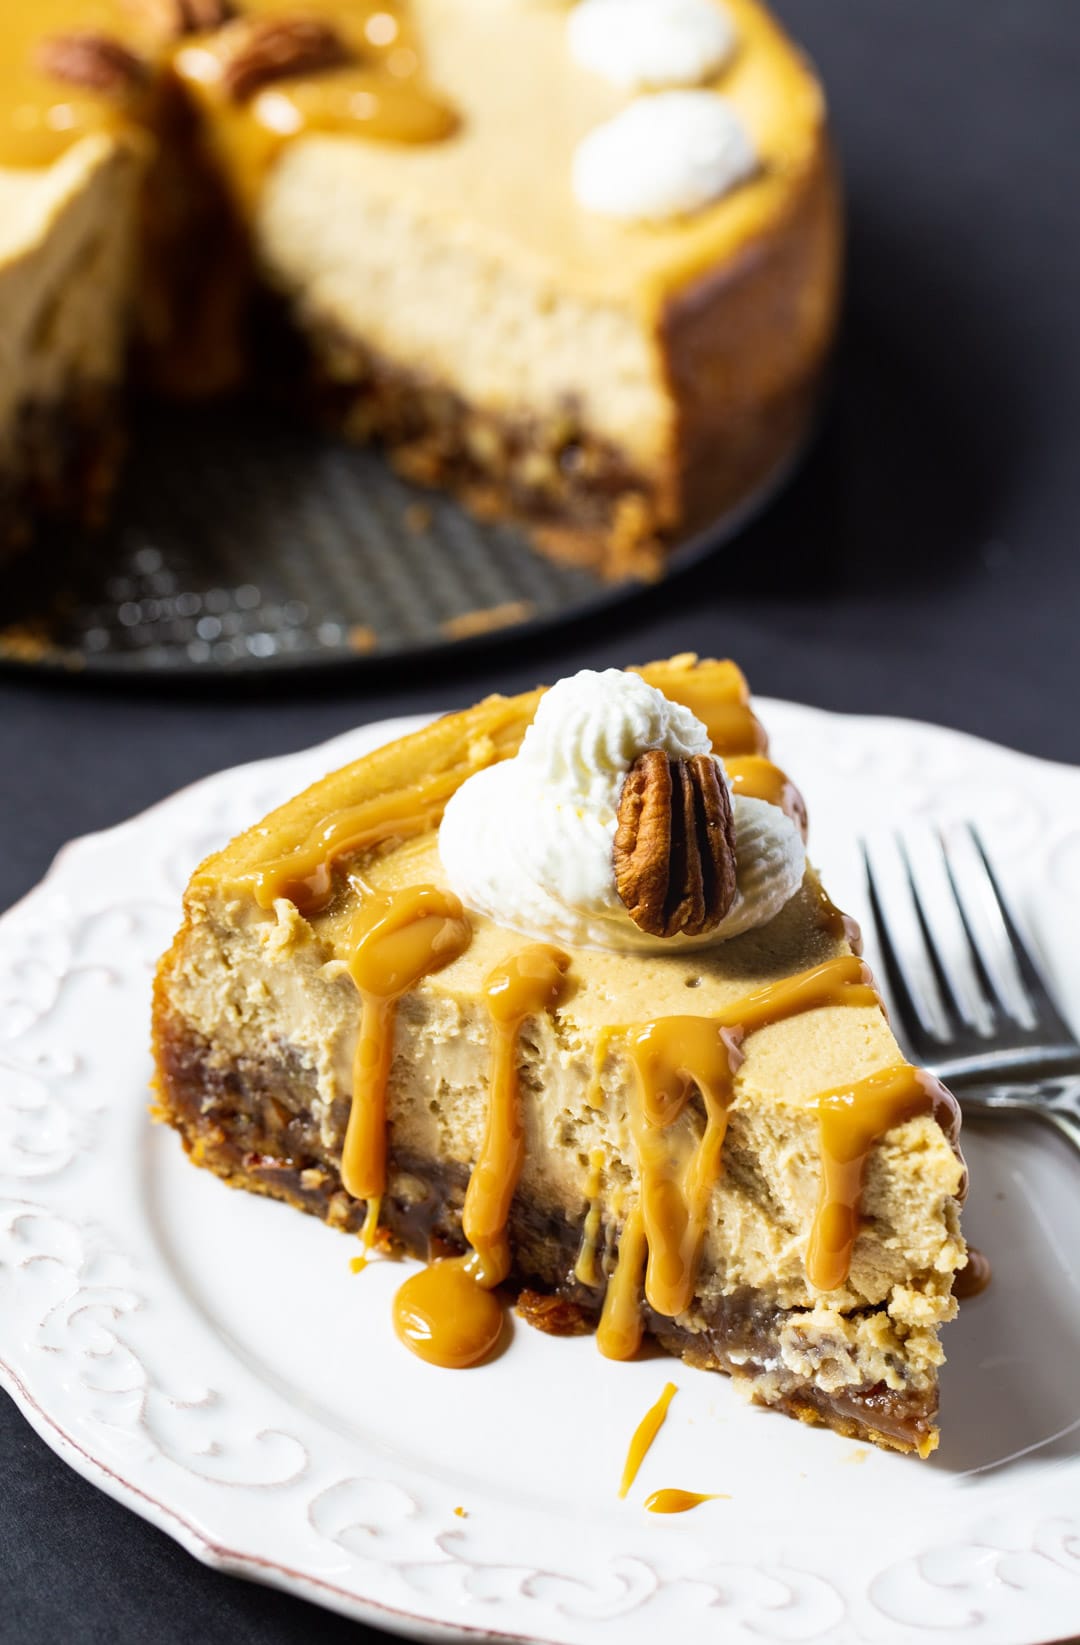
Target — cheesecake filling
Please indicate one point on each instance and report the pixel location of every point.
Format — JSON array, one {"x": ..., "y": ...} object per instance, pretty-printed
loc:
[{"x": 530, "y": 842}]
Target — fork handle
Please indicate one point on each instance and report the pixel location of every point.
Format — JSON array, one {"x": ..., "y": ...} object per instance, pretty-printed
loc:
[{"x": 1055, "y": 1101}]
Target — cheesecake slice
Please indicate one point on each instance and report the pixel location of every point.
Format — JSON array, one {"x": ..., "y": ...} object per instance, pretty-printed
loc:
[
  {"x": 412, "y": 219},
  {"x": 669, "y": 1104}
]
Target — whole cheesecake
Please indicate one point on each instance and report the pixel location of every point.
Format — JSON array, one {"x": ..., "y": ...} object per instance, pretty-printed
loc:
[
  {"x": 583, "y": 275},
  {"x": 552, "y": 985}
]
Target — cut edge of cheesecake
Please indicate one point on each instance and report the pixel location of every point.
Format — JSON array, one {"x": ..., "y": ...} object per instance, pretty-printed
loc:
[{"x": 266, "y": 1107}]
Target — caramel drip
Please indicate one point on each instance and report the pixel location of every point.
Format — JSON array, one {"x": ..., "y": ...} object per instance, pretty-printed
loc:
[
  {"x": 757, "y": 778},
  {"x": 305, "y": 875},
  {"x": 733, "y": 728},
  {"x": 522, "y": 986},
  {"x": 396, "y": 939},
  {"x": 585, "y": 1268},
  {"x": 41, "y": 116},
  {"x": 368, "y": 1234},
  {"x": 971, "y": 1280},
  {"x": 673, "y": 1058},
  {"x": 618, "y": 1335},
  {"x": 594, "y": 1093},
  {"x": 396, "y": 107},
  {"x": 851, "y": 1121},
  {"x": 644, "y": 1434},
  {"x": 845, "y": 981},
  {"x": 381, "y": 93},
  {"x": 446, "y": 1316},
  {"x": 840, "y": 926},
  {"x": 680, "y": 1502},
  {"x": 720, "y": 698}
]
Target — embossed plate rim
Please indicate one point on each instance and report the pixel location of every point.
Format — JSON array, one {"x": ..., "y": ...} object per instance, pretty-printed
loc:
[{"x": 784, "y": 1591}]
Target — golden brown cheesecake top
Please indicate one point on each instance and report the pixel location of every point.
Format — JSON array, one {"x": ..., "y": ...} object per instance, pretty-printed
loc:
[{"x": 467, "y": 112}]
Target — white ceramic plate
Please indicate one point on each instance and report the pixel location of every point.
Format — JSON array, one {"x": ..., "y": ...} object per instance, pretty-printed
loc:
[{"x": 209, "y": 1359}]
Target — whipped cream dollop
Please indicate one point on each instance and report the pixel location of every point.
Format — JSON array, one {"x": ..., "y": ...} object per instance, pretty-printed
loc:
[
  {"x": 530, "y": 841},
  {"x": 663, "y": 156},
  {"x": 639, "y": 44}
]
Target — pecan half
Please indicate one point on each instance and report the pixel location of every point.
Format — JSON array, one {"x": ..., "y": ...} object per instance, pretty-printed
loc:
[
  {"x": 255, "y": 51},
  {"x": 675, "y": 845},
  {"x": 172, "y": 19},
  {"x": 91, "y": 61}
]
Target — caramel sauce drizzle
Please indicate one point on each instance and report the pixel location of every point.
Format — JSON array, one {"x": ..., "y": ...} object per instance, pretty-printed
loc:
[
  {"x": 676, "y": 1056},
  {"x": 757, "y": 778},
  {"x": 851, "y": 1120},
  {"x": 305, "y": 875},
  {"x": 526, "y": 984},
  {"x": 680, "y": 1502},
  {"x": 840, "y": 926},
  {"x": 673, "y": 1057},
  {"x": 644, "y": 1434},
  {"x": 585, "y": 1268},
  {"x": 723, "y": 707},
  {"x": 618, "y": 1336},
  {"x": 447, "y": 1313},
  {"x": 381, "y": 93},
  {"x": 397, "y": 938}
]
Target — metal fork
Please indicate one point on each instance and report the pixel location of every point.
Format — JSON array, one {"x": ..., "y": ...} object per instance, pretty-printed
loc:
[{"x": 1002, "y": 1054}]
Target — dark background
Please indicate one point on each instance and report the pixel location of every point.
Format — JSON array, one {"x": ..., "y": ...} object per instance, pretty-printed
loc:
[{"x": 925, "y": 563}]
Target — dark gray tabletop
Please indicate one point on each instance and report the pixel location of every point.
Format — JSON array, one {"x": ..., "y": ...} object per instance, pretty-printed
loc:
[{"x": 925, "y": 563}]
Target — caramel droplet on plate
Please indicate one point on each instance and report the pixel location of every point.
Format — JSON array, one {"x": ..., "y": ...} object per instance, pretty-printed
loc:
[
  {"x": 446, "y": 1316},
  {"x": 644, "y": 1434},
  {"x": 679, "y": 1502}
]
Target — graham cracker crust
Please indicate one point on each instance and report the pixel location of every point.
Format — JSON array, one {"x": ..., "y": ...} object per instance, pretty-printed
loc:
[{"x": 249, "y": 1120}]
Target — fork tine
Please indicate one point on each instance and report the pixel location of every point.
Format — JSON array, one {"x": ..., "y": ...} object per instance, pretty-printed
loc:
[
  {"x": 1048, "y": 1017},
  {"x": 957, "y": 1013},
  {"x": 917, "y": 1021},
  {"x": 995, "y": 1004}
]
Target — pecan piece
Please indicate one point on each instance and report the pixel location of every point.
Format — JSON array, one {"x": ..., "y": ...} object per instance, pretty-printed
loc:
[
  {"x": 172, "y": 19},
  {"x": 675, "y": 845},
  {"x": 255, "y": 51},
  {"x": 555, "y": 1316},
  {"x": 92, "y": 61}
]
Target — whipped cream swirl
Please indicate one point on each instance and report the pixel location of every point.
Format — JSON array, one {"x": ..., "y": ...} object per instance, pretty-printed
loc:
[
  {"x": 665, "y": 155},
  {"x": 645, "y": 44},
  {"x": 530, "y": 841}
]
